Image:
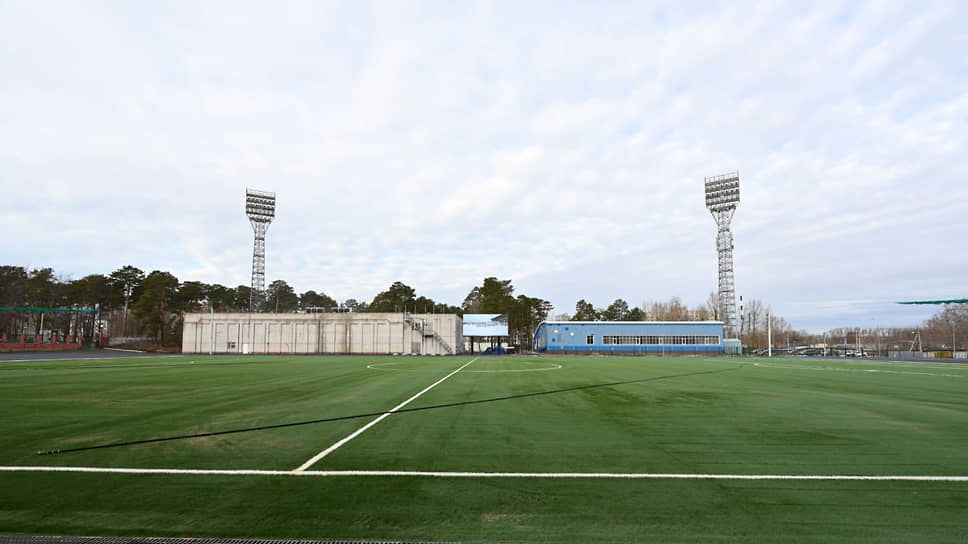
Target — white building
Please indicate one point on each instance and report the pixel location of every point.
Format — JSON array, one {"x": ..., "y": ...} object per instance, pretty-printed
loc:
[{"x": 372, "y": 333}]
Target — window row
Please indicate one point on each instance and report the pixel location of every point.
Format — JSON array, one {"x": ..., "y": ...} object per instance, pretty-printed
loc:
[{"x": 661, "y": 340}]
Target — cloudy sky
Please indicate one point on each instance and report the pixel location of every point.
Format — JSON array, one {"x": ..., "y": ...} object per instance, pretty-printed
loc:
[{"x": 562, "y": 145}]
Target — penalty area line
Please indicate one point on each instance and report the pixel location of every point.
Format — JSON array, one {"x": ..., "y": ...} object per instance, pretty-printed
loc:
[{"x": 544, "y": 475}]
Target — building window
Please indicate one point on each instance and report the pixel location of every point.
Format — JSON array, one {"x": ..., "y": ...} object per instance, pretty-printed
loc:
[
  {"x": 650, "y": 340},
  {"x": 590, "y": 339},
  {"x": 231, "y": 345}
]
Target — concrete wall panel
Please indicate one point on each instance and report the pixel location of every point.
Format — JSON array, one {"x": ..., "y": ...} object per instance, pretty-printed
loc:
[{"x": 387, "y": 333}]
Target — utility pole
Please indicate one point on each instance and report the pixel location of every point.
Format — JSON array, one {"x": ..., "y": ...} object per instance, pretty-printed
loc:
[
  {"x": 769, "y": 333},
  {"x": 952, "y": 338},
  {"x": 124, "y": 316},
  {"x": 211, "y": 346}
]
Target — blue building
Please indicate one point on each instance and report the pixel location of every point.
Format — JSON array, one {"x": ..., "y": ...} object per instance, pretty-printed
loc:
[{"x": 654, "y": 337}]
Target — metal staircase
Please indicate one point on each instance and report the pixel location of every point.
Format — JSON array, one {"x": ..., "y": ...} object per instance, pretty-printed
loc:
[{"x": 426, "y": 329}]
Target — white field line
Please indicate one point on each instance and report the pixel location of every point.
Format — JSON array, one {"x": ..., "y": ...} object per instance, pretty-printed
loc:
[
  {"x": 836, "y": 369},
  {"x": 544, "y": 475},
  {"x": 359, "y": 431},
  {"x": 90, "y": 358},
  {"x": 383, "y": 366}
]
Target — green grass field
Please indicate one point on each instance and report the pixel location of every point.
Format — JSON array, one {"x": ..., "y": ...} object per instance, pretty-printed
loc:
[{"x": 675, "y": 416}]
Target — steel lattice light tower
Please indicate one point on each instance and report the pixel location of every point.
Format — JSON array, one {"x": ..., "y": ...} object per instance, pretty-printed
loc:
[
  {"x": 260, "y": 206},
  {"x": 722, "y": 197}
]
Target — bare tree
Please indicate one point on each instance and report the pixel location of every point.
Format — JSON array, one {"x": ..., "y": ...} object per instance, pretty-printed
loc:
[
  {"x": 753, "y": 314},
  {"x": 947, "y": 328},
  {"x": 712, "y": 304}
]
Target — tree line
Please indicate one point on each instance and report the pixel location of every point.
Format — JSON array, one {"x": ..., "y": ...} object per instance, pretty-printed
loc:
[
  {"x": 752, "y": 316},
  {"x": 134, "y": 303},
  {"x": 650, "y": 310},
  {"x": 947, "y": 328}
]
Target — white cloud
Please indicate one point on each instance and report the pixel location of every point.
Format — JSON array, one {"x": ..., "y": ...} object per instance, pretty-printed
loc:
[{"x": 561, "y": 146}]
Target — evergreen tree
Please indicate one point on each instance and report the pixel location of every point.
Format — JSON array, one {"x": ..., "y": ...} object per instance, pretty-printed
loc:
[
  {"x": 312, "y": 299},
  {"x": 281, "y": 298},
  {"x": 584, "y": 311},
  {"x": 616, "y": 311},
  {"x": 397, "y": 298},
  {"x": 156, "y": 306}
]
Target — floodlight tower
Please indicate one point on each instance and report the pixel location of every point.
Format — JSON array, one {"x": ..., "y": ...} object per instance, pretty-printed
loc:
[
  {"x": 260, "y": 206},
  {"x": 722, "y": 197}
]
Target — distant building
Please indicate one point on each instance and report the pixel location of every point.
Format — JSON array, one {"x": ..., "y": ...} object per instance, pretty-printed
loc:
[
  {"x": 371, "y": 333},
  {"x": 634, "y": 337}
]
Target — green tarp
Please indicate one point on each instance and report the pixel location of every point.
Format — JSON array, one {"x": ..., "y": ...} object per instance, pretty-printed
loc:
[
  {"x": 46, "y": 310},
  {"x": 952, "y": 301}
]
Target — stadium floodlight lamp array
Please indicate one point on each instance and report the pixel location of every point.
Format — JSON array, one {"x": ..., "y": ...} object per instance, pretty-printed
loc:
[
  {"x": 722, "y": 192},
  {"x": 260, "y": 207},
  {"x": 722, "y": 197}
]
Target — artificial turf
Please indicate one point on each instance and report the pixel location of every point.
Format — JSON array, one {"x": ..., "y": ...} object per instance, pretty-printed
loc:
[{"x": 656, "y": 415}]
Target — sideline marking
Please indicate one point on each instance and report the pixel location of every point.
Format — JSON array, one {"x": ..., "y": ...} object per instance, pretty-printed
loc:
[
  {"x": 548, "y": 475},
  {"x": 836, "y": 369},
  {"x": 91, "y": 358},
  {"x": 359, "y": 431},
  {"x": 105, "y": 366}
]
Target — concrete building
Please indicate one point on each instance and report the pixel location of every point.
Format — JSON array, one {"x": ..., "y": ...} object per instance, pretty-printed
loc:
[
  {"x": 638, "y": 337},
  {"x": 372, "y": 333}
]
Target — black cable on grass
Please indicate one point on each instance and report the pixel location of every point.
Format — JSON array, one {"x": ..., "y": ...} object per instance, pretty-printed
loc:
[{"x": 373, "y": 414}]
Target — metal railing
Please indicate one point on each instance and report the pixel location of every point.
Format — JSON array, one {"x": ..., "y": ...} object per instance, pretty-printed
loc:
[{"x": 426, "y": 329}]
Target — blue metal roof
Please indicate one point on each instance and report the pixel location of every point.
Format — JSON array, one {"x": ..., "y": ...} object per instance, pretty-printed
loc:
[{"x": 627, "y": 322}]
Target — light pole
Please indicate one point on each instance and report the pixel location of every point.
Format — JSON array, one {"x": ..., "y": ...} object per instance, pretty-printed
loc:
[
  {"x": 211, "y": 345},
  {"x": 722, "y": 197},
  {"x": 952, "y": 338},
  {"x": 769, "y": 334},
  {"x": 260, "y": 207},
  {"x": 877, "y": 338}
]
